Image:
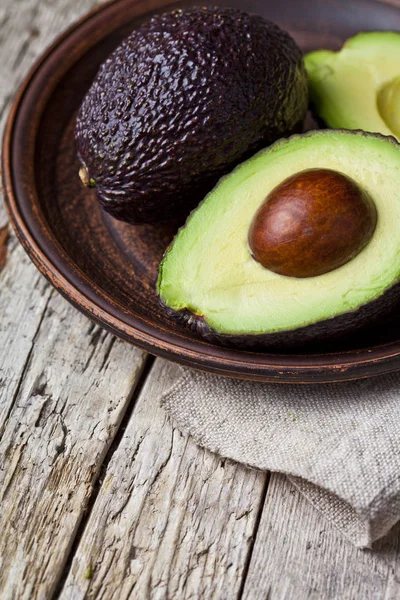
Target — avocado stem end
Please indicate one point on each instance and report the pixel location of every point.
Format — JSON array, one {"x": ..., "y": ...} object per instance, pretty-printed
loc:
[{"x": 86, "y": 180}]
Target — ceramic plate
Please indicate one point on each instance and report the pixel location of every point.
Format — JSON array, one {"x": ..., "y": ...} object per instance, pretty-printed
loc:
[{"x": 108, "y": 269}]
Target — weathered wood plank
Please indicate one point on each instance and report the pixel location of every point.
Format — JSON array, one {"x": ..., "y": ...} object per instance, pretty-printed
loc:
[
  {"x": 64, "y": 384},
  {"x": 299, "y": 555},
  {"x": 171, "y": 520},
  {"x": 68, "y": 408},
  {"x": 26, "y": 28},
  {"x": 23, "y": 297}
]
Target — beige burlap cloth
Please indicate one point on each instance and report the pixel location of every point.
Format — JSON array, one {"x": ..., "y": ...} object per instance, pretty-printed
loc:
[{"x": 338, "y": 443}]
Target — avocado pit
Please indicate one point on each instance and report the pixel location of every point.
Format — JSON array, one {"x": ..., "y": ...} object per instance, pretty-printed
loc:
[{"x": 312, "y": 223}]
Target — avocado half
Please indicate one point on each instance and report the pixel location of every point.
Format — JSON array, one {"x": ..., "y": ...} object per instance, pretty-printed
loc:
[
  {"x": 209, "y": 279},
  {"x": 184, "y": 99},
  {"x": 359, "y": 86}
]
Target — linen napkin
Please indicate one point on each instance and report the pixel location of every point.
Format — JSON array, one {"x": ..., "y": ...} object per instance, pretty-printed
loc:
[{"x": 338, "y": 443}]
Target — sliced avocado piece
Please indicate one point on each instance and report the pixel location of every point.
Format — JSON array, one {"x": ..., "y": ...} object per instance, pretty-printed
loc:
[
  {"x": 359, "y": 86},
  {"x": 185, "y": 98},
  {"x": 210, "y": 279}
]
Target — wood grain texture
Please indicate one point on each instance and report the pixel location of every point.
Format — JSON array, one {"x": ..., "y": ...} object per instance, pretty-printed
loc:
[
  {"x": 26, "y": 28},
  {"x": 74, "y": 393},
  {"x": 299, "y": 555},
  {"x": 171, "y": 520},
  {"x": 64, "y": 383},
  {"x": 24, "y": 294}
]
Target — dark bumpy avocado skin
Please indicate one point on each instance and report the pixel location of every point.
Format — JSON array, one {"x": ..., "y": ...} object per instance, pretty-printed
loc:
[{"x": 180, "y": 102}]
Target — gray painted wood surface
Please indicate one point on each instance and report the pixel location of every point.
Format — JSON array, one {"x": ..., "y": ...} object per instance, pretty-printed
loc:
[{"x": 100, "y": 497}]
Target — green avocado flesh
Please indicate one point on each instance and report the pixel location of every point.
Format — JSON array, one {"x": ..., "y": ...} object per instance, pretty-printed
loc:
[
  {"x": 359, "y": 86},
  {"x": 208, "y": 269}
]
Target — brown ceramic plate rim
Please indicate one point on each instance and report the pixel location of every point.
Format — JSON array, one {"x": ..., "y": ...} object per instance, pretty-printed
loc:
[{"x": 57, "y": 267}]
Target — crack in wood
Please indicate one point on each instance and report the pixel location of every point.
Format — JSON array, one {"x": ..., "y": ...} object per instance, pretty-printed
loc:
[
  {"x": 246, "y": 568},
  {"x": 25, "y": 366},
  {"x": 12, "y": 471},
  {"x": 41, "y": 419},
  {"x": 135, "y": 392},
  {"x": 60, "y": 448},
  {"x": 176, "y": 534},
  {"x": 107, "y": 353},
  {"x": 39, "y": 387},
  {"x": 96, "y": 335}
]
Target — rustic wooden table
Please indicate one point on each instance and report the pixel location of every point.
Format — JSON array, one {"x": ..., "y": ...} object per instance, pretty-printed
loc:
[{"x": 100, "y": 496}]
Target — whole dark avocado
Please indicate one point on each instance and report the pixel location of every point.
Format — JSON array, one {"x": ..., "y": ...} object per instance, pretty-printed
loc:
[{"x": 180, "y": 102}]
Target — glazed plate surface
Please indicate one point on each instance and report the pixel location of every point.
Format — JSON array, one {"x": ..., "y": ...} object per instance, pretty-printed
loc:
[{"x": 108, "y": 269}]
